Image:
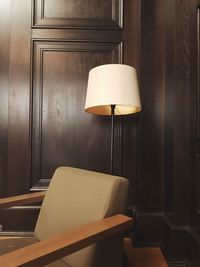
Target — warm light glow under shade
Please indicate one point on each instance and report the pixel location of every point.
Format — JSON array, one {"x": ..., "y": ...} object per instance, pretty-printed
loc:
[{"x": 112, "y": 84}]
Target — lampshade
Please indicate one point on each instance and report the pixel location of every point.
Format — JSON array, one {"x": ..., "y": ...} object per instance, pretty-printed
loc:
[{"x": 112, "y": 84}]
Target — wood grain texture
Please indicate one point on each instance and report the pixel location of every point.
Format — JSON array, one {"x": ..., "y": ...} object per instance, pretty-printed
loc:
[
  {"x": 181, "y": 142},
  {"x": 131, "y": 37},
  {"x": 19, "y": 99},
  {"x": 47, "y": 251},
  {"x": 100, "y": 36},
  {"x": 182, "y": 137},
  {"x": 4, "y": 89},
  {"x": 90, "y": 41},
  {"x": 62, "y": 132},
  {"x": 169, "y": 46},
  {"x": 21, "y": 200},
  {"x": 195, "y": 112},
  {"x": 19, "y": 219},
  {"x": 169, "y": 108},
  {"x": 143, "y": 257},
  {"x": 99, "y": 14},
  {"x": 197, "y": 45},
  {"x": 151, "y": 122}
]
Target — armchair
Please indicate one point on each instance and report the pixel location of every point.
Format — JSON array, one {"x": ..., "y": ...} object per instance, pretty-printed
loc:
[{"x": 79, "y": 224}]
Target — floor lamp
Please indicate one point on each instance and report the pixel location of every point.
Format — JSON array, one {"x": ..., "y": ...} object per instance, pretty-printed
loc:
[{"x": 112, "y": 90}]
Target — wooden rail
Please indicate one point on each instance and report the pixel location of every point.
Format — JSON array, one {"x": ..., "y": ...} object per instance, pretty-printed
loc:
[
  {"x": 52, "y": 249},
  {"x": 22, "y": 199}
]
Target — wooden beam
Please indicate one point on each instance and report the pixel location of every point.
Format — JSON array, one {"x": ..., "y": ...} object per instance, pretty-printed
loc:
[
  {"x": 22, "y": 199},
  {"x": 54, "y": 248}
]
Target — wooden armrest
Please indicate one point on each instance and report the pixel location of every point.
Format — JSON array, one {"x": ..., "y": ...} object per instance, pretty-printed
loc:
[
  {"x": 59, "y": 246},
  {"x": 22, "y": 199}
]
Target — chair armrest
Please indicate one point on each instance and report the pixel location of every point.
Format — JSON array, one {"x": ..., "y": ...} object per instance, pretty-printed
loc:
[
  {"x": 54, "y": 248},
  {"x": 22, "y": 199}
]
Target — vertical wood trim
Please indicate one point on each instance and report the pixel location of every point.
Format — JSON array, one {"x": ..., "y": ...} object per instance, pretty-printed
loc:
[
  {"x": 195, "y": 109},
  {"x": 19, "y": 96},
  {"x": 131, "y": 56},
  {"x": 198, "y": 184},
  {"x": 152, "y": 117},
  {"x": 42, "y": 10},
  {"x": 169, "y": 108},
  {"x": 197, "y": 128},
  {"x": 198, "y": 75},
  {"x": 182, "y": 134},
  {"x": 4, "y": 88},
  {"x": 117, "y": 12}
]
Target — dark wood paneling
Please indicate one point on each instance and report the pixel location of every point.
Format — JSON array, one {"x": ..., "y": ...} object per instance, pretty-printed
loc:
[
  {"x": 151, "y": 124},
  {"x": 197, "y": 65},
  {"x": 63, "y": 134},
  {"x": 19, "y": 94},
  {"x": 181, "y": 245},
  {"x": 104, "y": 47},
  {"x": 68, "y": 135},
  {"x": 169, "y": 124},
  {"x": 169, "y": 107},
  {"x": 198, "y": 184},
  {"x": 181, "y": 142},
  {"x": 195, "y": 113},
  {"x": 131, "y": 37},
  {"x": 148, "y": 230},
  {"x": 182, "y": 135},
  {"x": 100, "y": 36},
  {"x": 19, "y": 219},
  {"x": 4, "y": 88},
  {"x": 98, "y": 14},
  {"x": 131, "y": 34}
]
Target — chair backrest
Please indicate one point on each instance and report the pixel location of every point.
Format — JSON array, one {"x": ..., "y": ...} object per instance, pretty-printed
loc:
[{"x": 77, "y": 197}]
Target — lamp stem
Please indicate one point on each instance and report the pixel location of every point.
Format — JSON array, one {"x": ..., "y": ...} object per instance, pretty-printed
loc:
[{"x": 112, "y": 138}]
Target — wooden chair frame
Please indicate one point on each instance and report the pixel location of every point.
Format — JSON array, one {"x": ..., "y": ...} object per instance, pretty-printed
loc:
[{"x": 59, "y": 246}]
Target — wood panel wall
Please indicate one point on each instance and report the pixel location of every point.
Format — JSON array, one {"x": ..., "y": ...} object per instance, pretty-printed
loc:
[
  {"x": 168, "y": 203},
  {"x": 45, "y": 56},
  {"x": 47, "y": 50},
  {"x": 63, "y": 54}
]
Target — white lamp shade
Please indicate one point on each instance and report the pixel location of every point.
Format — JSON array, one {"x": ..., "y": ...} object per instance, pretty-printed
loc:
[{"x": 112, "y": 84}]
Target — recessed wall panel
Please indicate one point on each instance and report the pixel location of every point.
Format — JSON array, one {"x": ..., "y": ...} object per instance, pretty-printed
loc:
[
  {"x": 62, "y": 133},
  {"x": 103, "y": 14}
]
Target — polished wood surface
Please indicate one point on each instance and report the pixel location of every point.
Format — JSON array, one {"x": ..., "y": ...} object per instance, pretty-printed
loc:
[
  {"x": 18, "y": 155},
  {"x": 98, "y": 14},
  {"x": 143, "y": 257},
  {"x": 21, "y": 200},
  {"x": 151, "y": 123},
  {"x": 59, "y": 129},
  {"x": 43, "y": 78},
  {"x": 131, "y": 37},
  {"x": 168, "y": 164},
  {"x": 60, "y": 135},
  {"x": 137, "y": 257},
  {"x": 54, "y": 248},
  {"x": 158, "y": 150},
  {"x": 150, "y": 133},
  {"x": 4, "y": 89},
  {"x": 195, "y": 102}
]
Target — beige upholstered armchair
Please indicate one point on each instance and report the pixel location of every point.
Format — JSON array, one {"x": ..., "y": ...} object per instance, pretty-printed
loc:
[{"x": 79, "y": 224}]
